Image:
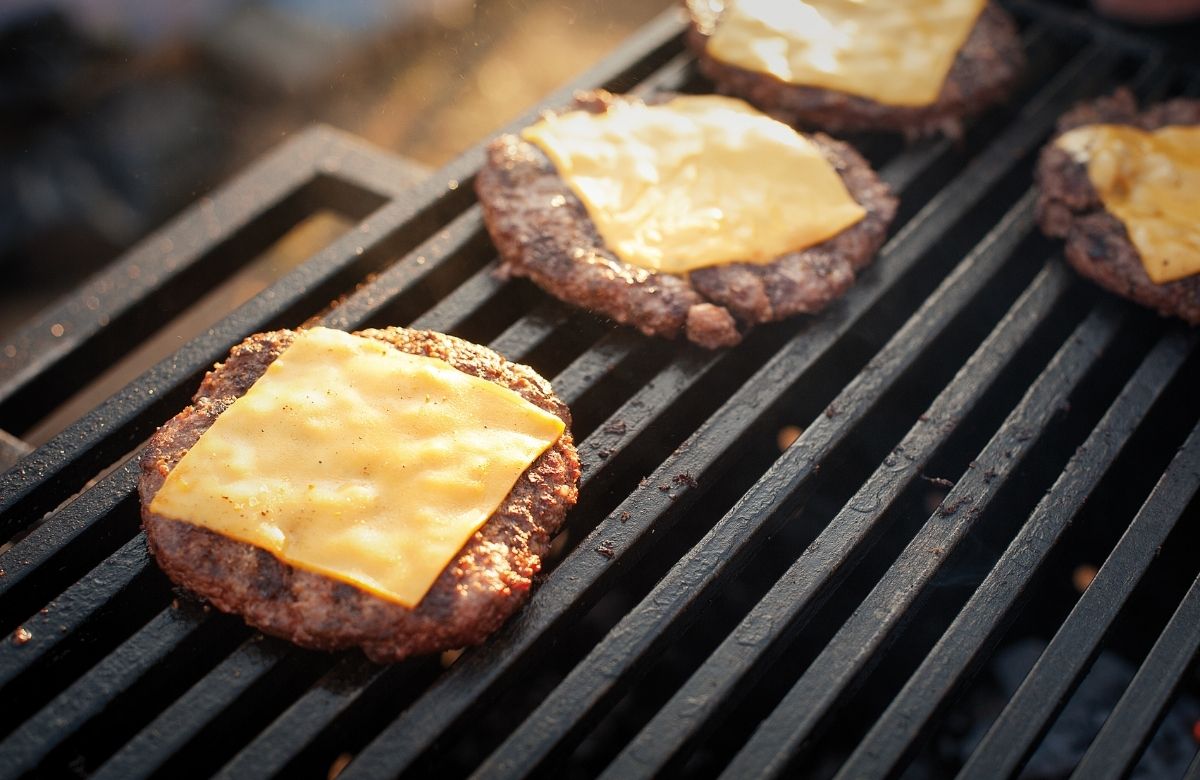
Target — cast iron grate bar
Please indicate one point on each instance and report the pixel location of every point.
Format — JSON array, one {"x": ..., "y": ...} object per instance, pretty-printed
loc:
[
  {"x": 246, "y": 668},
  {"x": 1193, "y": 770},
  {"x": 73, "y": 608},
  {"x": 151, "y": 647},
  {"x": 1129, "y": 727},
  {"x": 1031, "y": 710},
  {"x": 36, "y": 558},
  {"x": 978, "y": 626}
]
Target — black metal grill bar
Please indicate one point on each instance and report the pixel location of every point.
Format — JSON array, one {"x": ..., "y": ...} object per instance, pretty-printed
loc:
[
  {"x": 29, "y": 561},
  {"x": 330, "y": 698},
  {"x": 575, "y": 581},
  {"x": 854, "y": 650},
  {"x": 532, "y": 331},
  {"x": 88, "y": 696},
  {"x": 980, "y": 623},
  {"x": 599, "y": 361},
  {"x": 455, "y": 308},
  {"x": 1045, "y": 690},
  {"x": 661, "y": 614},
  {"x": 1193, "y": 770},
  {"x": 73, "y": 608},
  {"x": 715, "y": 685},
  {"x": 241, "y": 672},
  {"x": 1129, "y": 727},
  {"x": 45, "y": 477},
  {"x": 463, "y": 236}
]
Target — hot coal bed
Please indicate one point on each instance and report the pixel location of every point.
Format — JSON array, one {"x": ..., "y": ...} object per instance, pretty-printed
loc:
[{"x": 945, "y": 528}]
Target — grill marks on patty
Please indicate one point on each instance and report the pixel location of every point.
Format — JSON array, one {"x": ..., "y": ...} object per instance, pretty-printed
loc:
[
  {"x": 1097, "y": 244},
  {"x": 559, "y": 248},
  {"x": 983, "y": 74},
  {"x": 488, "y": 579}
]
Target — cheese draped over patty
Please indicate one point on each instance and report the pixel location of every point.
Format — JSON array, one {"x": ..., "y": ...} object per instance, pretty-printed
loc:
[
  {"x": 896, "y": 52},
  {"x": 352, "y": 459},
  {"x": 1150, "y": 181},
  {"x": 696, "y": 182}
]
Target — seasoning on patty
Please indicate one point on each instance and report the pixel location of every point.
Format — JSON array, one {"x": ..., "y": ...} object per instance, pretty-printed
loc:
[
  {"x": 393, "y": 490},
  {"x": 698, "y": 216},
  {"x": 1122, "y": 187},
  {"x": 915, "y": 67}
]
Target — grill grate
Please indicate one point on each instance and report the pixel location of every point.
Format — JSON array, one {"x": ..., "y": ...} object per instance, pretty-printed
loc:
[{"x": 828, "y": 607}]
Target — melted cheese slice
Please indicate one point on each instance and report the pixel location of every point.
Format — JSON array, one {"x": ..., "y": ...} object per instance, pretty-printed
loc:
[
  {"x": 1151, "y": 182},
  {"x": 697, "y": 182},
  {"x": 896, "y": 52},
  {"x": 354, "y": 460}
]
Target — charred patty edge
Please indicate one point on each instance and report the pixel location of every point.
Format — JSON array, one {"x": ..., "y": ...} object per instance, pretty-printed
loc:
[{"x": 484, "y": 584}]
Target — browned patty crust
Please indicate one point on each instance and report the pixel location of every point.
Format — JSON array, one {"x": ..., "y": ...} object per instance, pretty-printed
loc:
[
  {"x": 486, "y": 582},
  {"x": 544, "y": 233},
  {"x": 983, "y": 74},
  {"x": 1097, "y": 244}
]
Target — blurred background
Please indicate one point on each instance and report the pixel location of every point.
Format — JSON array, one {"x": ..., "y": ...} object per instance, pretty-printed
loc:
[{"x": 116, "y": 114}]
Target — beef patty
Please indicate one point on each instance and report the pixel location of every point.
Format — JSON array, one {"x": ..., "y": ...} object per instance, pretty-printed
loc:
[
  {"x": 486, "y": 581},
  {"x": 1097, "y": 244},
  {"x": 544, "y": 233},
  {"x": 983, "y": 74}
]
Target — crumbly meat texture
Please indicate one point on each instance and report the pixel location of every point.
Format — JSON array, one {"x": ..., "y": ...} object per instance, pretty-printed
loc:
[
  {"x": 485, "y": 583},
  {"x": 544, "y": 233},
  {"x": 1097, "y": 244},
  {"x": 984, "y": 73}
]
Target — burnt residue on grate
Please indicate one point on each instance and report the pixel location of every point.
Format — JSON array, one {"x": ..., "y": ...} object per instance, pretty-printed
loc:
[{"x": 812, "y": 554}]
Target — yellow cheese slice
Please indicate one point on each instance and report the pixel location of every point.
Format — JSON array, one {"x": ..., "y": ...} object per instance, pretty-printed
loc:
[
  {"x": 896, "y": 52},
  {"x": 696, "y": 182},
  {"x": 354, "y": 460},
  {"x": 1151, "y": 182}
]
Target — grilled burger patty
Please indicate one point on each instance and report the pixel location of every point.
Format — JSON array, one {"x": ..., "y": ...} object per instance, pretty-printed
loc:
[
  {"x": 544, "y": 233},
  {"x": 982, "y": 75},
  {"x": 1097, "y": 244},
  {"x": 485, "y": 583}
]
